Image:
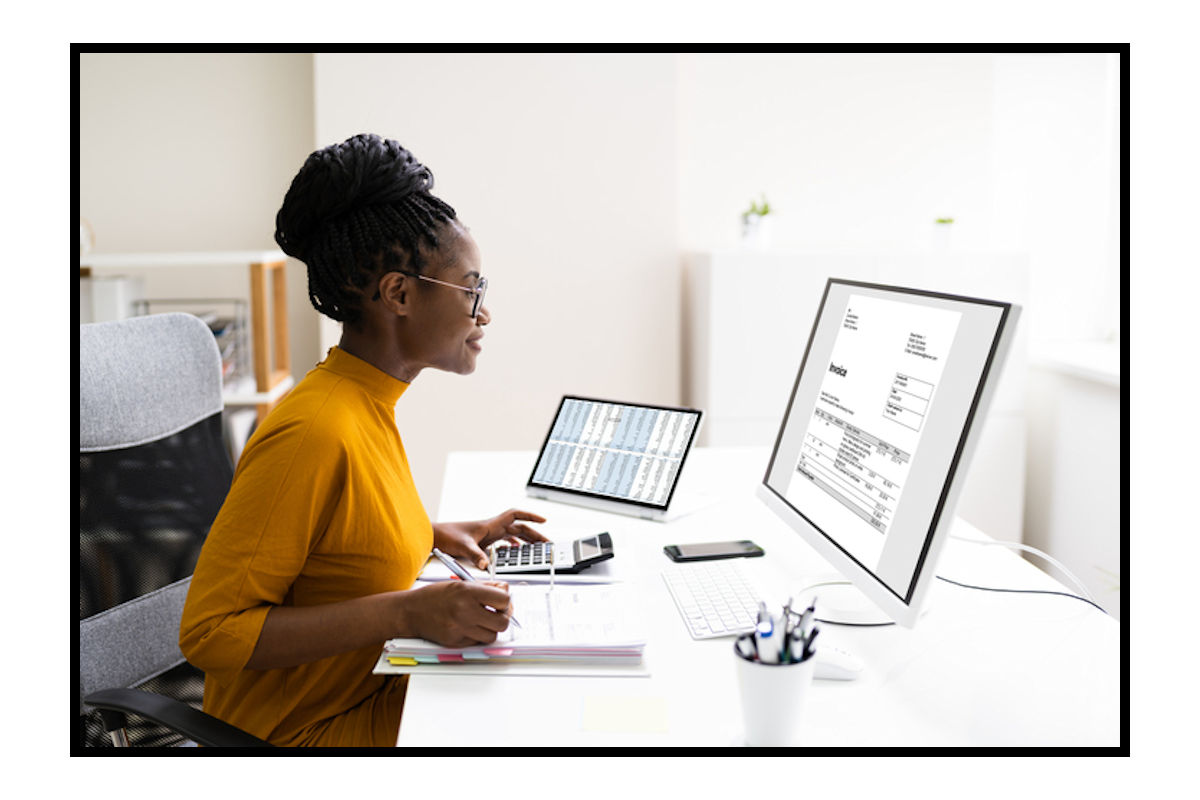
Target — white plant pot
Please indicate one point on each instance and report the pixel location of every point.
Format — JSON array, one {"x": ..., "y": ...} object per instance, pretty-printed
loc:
[{"x": 756, "y": 232}]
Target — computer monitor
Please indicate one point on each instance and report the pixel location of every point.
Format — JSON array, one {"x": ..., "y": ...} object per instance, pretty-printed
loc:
[{"x": 883, "y": 418}]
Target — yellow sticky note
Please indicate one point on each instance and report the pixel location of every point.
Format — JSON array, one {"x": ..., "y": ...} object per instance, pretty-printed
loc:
[
  {"x": 619, "y": 714},
  {"x": 400, "y": 661}
]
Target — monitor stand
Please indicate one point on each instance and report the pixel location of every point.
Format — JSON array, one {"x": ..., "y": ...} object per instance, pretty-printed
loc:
[{"x": 839, "y": 602}]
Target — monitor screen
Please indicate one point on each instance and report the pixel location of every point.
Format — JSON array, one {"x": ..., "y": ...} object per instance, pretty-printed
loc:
[
  {"x": 617, "y": 451},
  {"x": 877, "y": 431}
]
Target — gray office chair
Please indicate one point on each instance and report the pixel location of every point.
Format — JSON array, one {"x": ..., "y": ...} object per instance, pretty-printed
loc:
[{"x": 153, "y": 472}]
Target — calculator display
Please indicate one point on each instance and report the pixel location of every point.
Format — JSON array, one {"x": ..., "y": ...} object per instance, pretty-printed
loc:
[{"x": 588, "y": 548}]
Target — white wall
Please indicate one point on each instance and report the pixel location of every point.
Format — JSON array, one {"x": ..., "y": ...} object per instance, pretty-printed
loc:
[
  {"x": 194, "y": 151},
  {"x": 855, "y": 152},
  {"x": 1055, "y": 191},
  {"x": 564, "y": 168}
]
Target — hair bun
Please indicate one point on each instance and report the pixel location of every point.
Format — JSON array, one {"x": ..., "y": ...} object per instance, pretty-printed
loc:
[{"x": 364, "y": 171}]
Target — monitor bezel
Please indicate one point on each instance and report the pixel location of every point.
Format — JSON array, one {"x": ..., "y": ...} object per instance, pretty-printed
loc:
[
  {"x": 687, "y": 451},
  {"x": 904, "y": 609}
]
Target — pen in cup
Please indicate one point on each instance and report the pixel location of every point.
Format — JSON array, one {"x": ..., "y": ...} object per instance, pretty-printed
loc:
[
  {"x": 765, "y": 642},
  {"x": 808, "y": 646},
  {"x": 458, "y": 570},
  {"x": 787, "y": 639}
]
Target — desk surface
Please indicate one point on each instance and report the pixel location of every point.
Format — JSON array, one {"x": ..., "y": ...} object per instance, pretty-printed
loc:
[{"x": 979, "y": 669}]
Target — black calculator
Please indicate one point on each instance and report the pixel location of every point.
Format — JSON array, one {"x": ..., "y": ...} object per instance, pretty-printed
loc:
[{"x": 569, "y": 557}]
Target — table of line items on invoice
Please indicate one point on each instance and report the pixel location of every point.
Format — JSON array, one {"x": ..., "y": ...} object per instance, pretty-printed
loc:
[{"x": 616, "y": 450}]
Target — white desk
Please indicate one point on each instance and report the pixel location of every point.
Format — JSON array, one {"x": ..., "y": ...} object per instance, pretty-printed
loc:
[{"x": 980, "y": 669}]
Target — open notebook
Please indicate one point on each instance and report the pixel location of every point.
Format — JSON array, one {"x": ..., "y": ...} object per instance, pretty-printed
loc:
[{"x": 566, "y": 626}]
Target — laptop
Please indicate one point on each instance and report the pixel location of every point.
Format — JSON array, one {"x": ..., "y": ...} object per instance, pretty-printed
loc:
[{"x": 619, "y": 457}]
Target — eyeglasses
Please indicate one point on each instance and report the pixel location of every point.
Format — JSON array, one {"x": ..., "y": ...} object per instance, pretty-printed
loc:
[{"x": 477, "y": 291}]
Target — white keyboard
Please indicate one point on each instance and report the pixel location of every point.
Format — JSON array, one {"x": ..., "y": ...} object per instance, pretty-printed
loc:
[{"x": 713, "y": 597}]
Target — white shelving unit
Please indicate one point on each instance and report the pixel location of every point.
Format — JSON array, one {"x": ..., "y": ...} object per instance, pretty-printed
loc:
[{"x": 268, "y": 313}]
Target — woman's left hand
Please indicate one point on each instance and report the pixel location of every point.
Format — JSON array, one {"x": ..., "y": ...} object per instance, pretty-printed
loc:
[{"x": 467, "y": 539}]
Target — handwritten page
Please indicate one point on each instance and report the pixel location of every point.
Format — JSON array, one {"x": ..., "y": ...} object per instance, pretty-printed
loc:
[
  {"x": 571, "y": 615},
  {"x": 566, "y": 620}
]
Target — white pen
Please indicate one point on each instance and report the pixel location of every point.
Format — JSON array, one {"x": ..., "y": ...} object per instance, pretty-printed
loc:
[
  {"x": 764, "y": 644},
  {"x": 458, "y": 570}
]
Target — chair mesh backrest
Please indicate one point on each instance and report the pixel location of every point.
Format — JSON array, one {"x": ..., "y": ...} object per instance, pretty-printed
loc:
[
  {"x": 153, "y": 472},
  {"x": 133, "y": 642}
]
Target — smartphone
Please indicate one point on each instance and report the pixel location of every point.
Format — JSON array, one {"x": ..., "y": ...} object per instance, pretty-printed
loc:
[{"x": 708, "y": 551}]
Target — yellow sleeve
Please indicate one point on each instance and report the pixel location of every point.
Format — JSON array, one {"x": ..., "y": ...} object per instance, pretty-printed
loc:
[{"x": 283, "y": 495}]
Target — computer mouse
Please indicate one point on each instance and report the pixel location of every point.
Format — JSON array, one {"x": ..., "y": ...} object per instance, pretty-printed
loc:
[{"x": 834, "y": 664}]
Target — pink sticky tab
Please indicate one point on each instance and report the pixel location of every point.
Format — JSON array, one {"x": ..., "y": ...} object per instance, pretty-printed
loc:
[
  {"x": 503, "y": 652},
  {"x": 449, "y": 657}
]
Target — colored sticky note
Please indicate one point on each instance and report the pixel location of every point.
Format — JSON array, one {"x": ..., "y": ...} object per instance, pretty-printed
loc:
[
  {"x": 498, "y": 652},
  {"x": 399, "y": 661},
  {"x": 619, "y": 714}
]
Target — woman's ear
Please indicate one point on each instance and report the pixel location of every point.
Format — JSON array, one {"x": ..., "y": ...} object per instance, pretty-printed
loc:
[{"x": 395, "y": 291}]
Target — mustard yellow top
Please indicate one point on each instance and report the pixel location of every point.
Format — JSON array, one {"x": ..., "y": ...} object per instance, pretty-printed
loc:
[{"x": 322, "y": 509}]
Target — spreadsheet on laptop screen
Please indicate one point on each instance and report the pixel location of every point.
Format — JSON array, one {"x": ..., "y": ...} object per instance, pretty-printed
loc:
[{"x": 617, "y": 450}]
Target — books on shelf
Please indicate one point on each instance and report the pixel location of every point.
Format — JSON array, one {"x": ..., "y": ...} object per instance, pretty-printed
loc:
[{"x": 590, "y": 625}]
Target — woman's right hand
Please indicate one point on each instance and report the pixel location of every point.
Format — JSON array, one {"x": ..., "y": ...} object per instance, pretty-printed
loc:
[{"x": 458, "y": 613}]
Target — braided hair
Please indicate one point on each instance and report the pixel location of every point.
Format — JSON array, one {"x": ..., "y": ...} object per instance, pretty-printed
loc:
[{"x": 354, "y": 211}]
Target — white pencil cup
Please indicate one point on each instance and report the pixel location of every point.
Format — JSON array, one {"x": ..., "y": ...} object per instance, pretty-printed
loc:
[{"x": 773, "y": 699}]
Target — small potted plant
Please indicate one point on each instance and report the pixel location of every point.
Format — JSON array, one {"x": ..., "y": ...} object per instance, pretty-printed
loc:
[
  {"x": 943, "y": 228},
  {"x": 756, "y": 230}
]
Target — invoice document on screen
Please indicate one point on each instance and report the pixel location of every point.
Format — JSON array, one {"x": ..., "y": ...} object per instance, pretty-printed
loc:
[{"x": 866, "y": 425}]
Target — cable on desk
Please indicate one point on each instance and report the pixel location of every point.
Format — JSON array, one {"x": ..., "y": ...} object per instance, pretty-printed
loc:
[
  {"x": 1027, "y": 549},
  {"x": 956, "y": 583},
  {"x": 1022, "y": 591}
]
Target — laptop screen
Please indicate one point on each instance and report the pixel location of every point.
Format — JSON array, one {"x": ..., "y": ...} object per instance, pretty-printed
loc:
[{"x": 616, "y": 451}]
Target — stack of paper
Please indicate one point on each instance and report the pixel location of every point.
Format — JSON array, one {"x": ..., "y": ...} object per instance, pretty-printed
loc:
[
  {"x": 402, "y": 655},
  {"x": 569, "y": 624}
]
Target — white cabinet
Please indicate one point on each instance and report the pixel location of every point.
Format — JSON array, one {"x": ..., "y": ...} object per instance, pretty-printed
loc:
[
  {"x": 747, "y": 318},
  {"x": 1073, "y": 509}
]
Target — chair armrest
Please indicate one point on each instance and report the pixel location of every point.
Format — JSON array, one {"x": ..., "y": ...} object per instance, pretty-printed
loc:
[{"x": 204, "y": 729}]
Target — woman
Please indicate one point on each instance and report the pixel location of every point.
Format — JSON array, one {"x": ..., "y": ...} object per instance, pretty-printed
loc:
[{"x": 309, "y": 565}]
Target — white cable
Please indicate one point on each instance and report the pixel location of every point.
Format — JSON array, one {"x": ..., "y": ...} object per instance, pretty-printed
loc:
[
  {"x": 818, "y": 585},
  {"x": 1017, "y": 546}
]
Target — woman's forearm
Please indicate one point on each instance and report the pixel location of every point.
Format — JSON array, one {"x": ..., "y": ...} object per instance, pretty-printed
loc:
[{"x": 295, "y": 635}]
